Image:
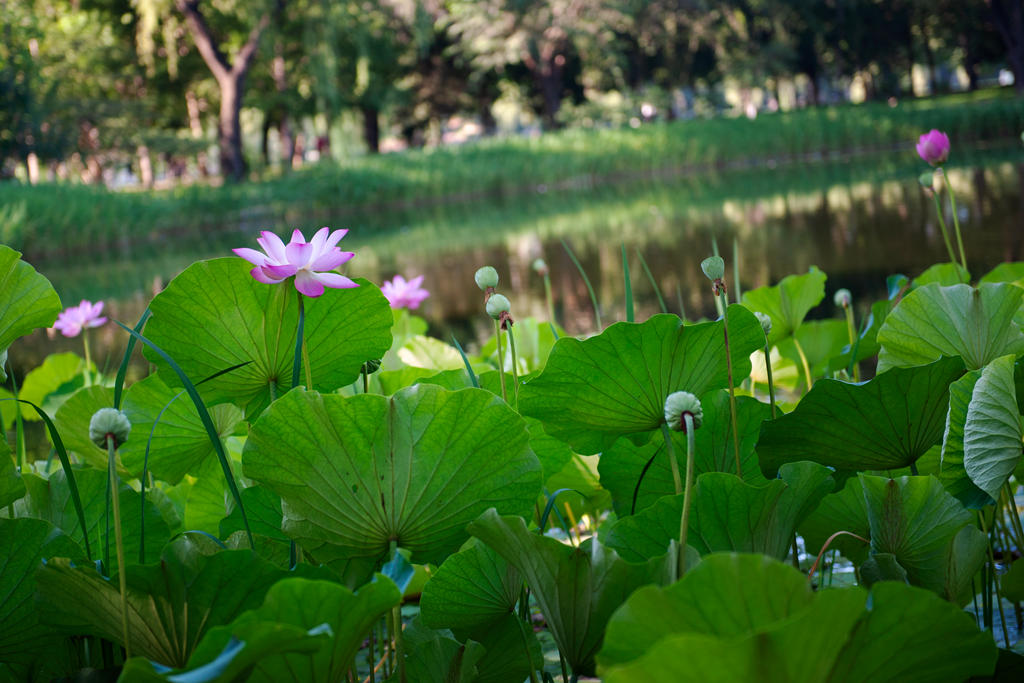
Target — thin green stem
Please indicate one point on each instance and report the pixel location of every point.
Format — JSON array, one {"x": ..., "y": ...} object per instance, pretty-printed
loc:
[
  {"x": 736, "y": 268},
  {"x": 119, "y": 540},
  {"x": 565, "y": 670},
  {"x": 1011, "y": 504},
  {"x": 684, "y": 522},
  {"x": 654, "y": 283},
  {"x": 670, "y": 451},
  {"x": 19, "y": 423},
  {"x": 586, "y": 281},
  {"x": 732, "y": 386},
  {"x": 549, "y": 298},
  {"x": 771, "y": 383},
  {"x": 501, "y": 358},
  {"x": 88, "y": 358},
  {"x": 515, "y": 364},
  {"x": 396, "y": 613},
  {"x": 995, "y": 580},
  {"x": 366, "y": 381},
  {"x": 851, "y": 330},
  {"x": 272, "y": 385},
  {"x": 944, "y": 229},
  {"x": 529, "y": 656},
  {"x": 297, "y": 356},
  {"x": 956, "y": 221},
  {"x": 803, "y": 361},
  {"x": 796, "y": 554}
]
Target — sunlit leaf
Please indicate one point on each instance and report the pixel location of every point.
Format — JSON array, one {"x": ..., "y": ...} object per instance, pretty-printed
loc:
[
  {"x": 27, "y": 299},
  {"x": 787, "y": 302}
]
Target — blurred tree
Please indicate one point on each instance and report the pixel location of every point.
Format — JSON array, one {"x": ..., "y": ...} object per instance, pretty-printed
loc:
[{"x": 1008, "y": 18}]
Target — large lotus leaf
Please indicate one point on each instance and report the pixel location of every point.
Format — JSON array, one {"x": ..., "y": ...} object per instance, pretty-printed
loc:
[
  {"x": 430, "y": 353},
  {"x": 204, "y": 499},
  {"x": 918, "y": 522},
  {"x": 58, "y": 376},
  {"x": 72, "y": 422},
  {"x": 933, "y": 321},
  {"x": 11, "y": 486},
  {"x": 843, "y": 510},
  {"x": 307, "y": 604},
  {"x": 886, "y": 423},
  {"x": 27, "y": 299},
  {"x": 24, "y": 543},
  {"x": 623, "y": 465},
  {"x": 356, "y": 474},
  {"x": 171, "y": 604},
  {"x": 576, "y": 589},
  {"x": 214, "y": 315},
  {"x": 1005, "y": 272},
  {"x": 179, "y": 443},
  {"x": 899, "y": 633},
  {"x": 50, "y": 499},
  {"x": 951, "y": 465},
  {"x": 944, "y": 274},
  {"x": 787, "y": 302},
  {"x": 435, "y": 656},
  {"x": 255, "y": 642},
  {"x": 992, "y": 431},
  {"x": 727, "y": 514},
  {"x": 615, "y": 384}
]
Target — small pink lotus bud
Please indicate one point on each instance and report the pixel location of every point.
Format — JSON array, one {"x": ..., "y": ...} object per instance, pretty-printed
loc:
[{"x": 933, "y": 147}]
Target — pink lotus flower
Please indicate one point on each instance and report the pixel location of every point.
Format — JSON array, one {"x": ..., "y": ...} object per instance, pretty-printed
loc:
[
  {"x": 72, "y": 321},
  {"x": 300, "y": 258},
  {"x": 402, "y": 294},
  {"x": 933, "y": 147}
]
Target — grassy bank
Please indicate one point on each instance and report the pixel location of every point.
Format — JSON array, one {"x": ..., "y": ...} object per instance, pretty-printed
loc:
[{"x": 49, "y": 220}]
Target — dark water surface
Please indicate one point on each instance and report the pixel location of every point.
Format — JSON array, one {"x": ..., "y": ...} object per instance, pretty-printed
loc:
[{"x": 858, "y": 221}]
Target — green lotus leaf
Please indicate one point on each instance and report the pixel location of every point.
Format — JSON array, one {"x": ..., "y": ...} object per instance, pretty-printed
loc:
[
  {"x": 434, "y": 656},
  {"x": 307, "y": 605},
  {"x": 58, "y": 376},
  {"x": 72, "y": 422},
  {"x": 356, "y": 474},
  {"x": 739, "y": 619},
  {"x": 24, "y": 543},
  {"x": 255, "y": 642},
  {"x": 214, "y": 315},
  {"x": 821, "y": 341},
  {"x": 951, "y": 465},
  {"x": 263, "y": 509},
  {"x": 621, "y": 465},
  {"x": 615, "y": 384},
  {"x": 50, "y": 499},
  {"x": 944, "y": 274},
  {"x": 204, "y": 499},
  {"x": 576, "y": 589},
  {"x": 918, "y": 522},
  {"x": 1005, "y": 272},
  {"x": 843, "y": 510},
  {"x": 787, "y": 302},
  {"x": 885, "y": 423},
  {"x": 432, "y": 354},
  {"x": 11, "y": 486},
  {"x": 8, "y": 408},
  {"x": 992, "y": 431},
  {"x": 27, "y": 299},
  {"x": 933, "y": 321},
  {"x": 171, "y": 604},
  {"x": 727, "y": 514},
  {"x": 180, "y": 444}
]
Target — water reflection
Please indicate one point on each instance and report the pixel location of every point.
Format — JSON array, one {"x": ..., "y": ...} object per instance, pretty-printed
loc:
[{"x": 857, "y": 222}]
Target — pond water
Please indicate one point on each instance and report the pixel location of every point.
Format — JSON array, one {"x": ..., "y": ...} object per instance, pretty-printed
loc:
[{"x": 859, "y": 221}]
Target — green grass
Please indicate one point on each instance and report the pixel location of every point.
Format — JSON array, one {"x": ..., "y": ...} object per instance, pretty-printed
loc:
[{"x": 64, "y": 219}]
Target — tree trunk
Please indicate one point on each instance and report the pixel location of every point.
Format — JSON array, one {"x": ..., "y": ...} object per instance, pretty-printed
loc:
[
  {"x": 284, "y": 128},
  {"x": 1008, "y": 17},
  {"x": 195, "y": 125},
  {"x": 549, "y": 80},
  {"x": 371, "y": 128},
  {"x": 229, "y": 129},
  {"x": 145, "y": 167}
]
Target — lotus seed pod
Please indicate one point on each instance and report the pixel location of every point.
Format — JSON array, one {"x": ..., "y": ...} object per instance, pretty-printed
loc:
[
  {"x": 765, "y": 320},
  {"x": 842, "y": 298},
  {"x": 677, "y": 405},
  {"x": 109, "y": 421},
  {"x": 498, "y": 304},
  {"x": 713, "y": 267},
  {"x": 540, "y": 267},
  {"x": 486, "y": 277}
]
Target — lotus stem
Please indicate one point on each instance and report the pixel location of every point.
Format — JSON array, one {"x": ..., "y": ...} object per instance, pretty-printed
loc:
[
  {"x": 956, "y": 222},
  {"x": 732, "y": 387},
  {"x": 824, "y": 547},
  {"x": 803, "y": 361},
  {"x": 19, "y": 424},
  {"x": 1015, "y": 523},
  {"x": 549, "y": 298},
  {"x": 796, "y": 554},
  {"x": 297, "y": 357},
  {"x": 945, "y": 230},
  {"x": 684, "y": 522},
  {"x": 88, "y": 357},
  {"x": 396, "y": 616},
  {"x": 670, "y": 451},
  {"x": 852, "y": 332},
  {"x": 501, "y": 358},
  {"x": 515, "y": 363},
  {"x": 995, "y": 580},
  {"x": 771, "y": 382},
  {"x": 122, "y": 566},
  {"x": 526, "y": 646},
  {"x": 736, "y": 268}
]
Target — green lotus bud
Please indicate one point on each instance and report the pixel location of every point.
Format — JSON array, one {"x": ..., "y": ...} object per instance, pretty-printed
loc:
[
  {"x": 713, "y": 267},
  {"x": 842, "y": 298},
  {"x": 678, "y": 405},
  {"x": 3, "y": 363},
  {"x": 498, "y": 304},
  {"x": 371, "y": 366},
  {"x": 927, "y": 180},
  {"x": 765, "y": 320},
  {"x": 540, "y": 267},
  {"x": 486, "y": 277},
  {"x": 109, "y": 421}
]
